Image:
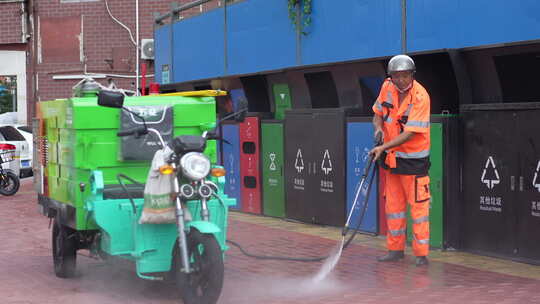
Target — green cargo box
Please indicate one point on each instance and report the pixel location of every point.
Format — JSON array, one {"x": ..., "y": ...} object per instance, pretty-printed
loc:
[{"x": 79, "y": 136}]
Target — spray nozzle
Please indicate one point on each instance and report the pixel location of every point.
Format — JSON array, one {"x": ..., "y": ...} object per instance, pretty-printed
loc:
[{"x": 344, "y": 230}]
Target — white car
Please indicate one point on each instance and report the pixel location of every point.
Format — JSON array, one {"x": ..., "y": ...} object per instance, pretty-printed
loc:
[{"x": 11, "y": 134}]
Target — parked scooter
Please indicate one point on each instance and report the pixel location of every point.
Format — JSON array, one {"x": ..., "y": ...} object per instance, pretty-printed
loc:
[{"x": 9, "y": 181}]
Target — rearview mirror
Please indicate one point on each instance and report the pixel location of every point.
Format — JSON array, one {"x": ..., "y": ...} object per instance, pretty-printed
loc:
[{"x": 110, "y": 99}]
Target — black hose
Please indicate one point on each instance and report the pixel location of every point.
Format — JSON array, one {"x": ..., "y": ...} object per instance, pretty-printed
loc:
[
  {"x": 267, "y": 257},
  {"x": 280, "y": 258}
]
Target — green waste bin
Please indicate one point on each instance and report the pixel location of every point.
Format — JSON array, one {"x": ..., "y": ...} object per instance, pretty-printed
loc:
[
  {"x": 282, "y": 98},
  {"x": 436, "y": 173},
  {"x": 445, "y": 210},
  {"x": 273, "y": 187}
]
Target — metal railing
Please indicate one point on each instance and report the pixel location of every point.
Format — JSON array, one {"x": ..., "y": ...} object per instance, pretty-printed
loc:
[{"x": 175, "y": 10}]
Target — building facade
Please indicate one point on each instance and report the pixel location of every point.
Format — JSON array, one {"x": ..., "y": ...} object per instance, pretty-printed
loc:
[{"x": 47, "y": 46}]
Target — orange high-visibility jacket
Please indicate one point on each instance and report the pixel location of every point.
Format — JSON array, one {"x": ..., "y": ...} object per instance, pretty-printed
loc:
[{"x": 412, "y": 157}]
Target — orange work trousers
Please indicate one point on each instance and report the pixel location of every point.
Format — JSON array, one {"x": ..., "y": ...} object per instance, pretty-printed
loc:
[{"x": 399, "y": 190}]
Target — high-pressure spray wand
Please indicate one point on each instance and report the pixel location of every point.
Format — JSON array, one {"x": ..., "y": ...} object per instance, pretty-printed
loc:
[{"x": 334, "y": 256}]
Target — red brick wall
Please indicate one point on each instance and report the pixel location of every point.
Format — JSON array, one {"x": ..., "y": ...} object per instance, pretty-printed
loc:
[
  {"x": 101, "y": 37},
  {"x": 10, "y": 23}
]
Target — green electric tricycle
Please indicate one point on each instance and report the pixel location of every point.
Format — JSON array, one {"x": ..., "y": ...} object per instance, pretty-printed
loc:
[{"x": 92, "y": 162}]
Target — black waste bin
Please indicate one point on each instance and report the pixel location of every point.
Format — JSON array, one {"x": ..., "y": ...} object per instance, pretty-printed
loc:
[
  {"x": 315, "y": 180},
  {"x": 501, "y": 187}
]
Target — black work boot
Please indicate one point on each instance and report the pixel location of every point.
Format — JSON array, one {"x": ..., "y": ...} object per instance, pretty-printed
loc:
[
  {"x": 421, "y": 260},
  {"x": 392, "y": 256}
]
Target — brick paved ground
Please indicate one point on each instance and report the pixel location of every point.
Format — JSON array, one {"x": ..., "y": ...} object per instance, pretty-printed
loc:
[{"x": 27, "y": 275}]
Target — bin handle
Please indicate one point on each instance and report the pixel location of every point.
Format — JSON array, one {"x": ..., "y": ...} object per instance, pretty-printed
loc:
[{"x": 512, "y": 183}]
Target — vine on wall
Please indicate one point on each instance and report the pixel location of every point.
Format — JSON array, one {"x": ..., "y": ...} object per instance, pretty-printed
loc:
[{"x": 304, "y": 21}]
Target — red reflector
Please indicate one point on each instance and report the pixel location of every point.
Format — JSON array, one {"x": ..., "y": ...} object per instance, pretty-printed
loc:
[
  {"x": 154, "y": 88},
  {"x": 7, "y": 147}
]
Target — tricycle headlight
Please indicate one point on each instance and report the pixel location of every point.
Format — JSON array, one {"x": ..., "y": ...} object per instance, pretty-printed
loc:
[{"x": 195, "y": 165}]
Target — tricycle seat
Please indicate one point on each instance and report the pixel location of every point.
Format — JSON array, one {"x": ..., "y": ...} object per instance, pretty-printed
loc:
[{"x": 117, "y": 192}]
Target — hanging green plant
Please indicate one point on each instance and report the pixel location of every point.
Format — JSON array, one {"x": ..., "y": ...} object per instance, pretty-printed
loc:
[{"x": 303, "y": 21}]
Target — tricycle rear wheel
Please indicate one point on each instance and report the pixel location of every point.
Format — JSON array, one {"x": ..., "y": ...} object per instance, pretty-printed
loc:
[
  {"x": 64, "y": 250},
  {"x": 203, "y": 285}
]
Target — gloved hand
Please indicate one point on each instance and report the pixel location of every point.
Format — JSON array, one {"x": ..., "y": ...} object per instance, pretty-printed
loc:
[{"x": 376, "y": 152}]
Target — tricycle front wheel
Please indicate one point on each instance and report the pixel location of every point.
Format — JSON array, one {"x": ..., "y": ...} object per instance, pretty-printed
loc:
[
  {"x": 203, "y": 285},
  {"x": 64, "y": 250}
]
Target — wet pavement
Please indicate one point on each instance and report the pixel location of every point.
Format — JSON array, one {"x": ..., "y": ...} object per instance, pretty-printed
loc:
[{"x": 27, "y": 274}]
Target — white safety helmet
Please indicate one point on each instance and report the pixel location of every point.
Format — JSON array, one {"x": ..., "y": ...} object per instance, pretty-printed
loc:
[{"x": 400, "y": 63}]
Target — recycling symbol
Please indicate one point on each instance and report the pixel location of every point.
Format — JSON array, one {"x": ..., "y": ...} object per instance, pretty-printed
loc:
[
  {"x": 490, "y": 175},
  {"x": 536, "y": 180},
  {"x": 326, "y": 164},
  {"x": 272, "y": 156},
  {"x": 299, "y": 162}
]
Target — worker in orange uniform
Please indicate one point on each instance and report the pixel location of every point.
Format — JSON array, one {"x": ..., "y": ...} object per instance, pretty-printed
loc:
[{"x": 402, "y": 115}]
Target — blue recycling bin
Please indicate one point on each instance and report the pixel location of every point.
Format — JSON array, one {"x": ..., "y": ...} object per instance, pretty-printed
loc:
[
  {"x": 359, "y": 142},
  {"x": 231, "y": 162}
]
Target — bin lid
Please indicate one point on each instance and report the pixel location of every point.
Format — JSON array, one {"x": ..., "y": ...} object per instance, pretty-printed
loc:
[
  {"x": 261, "y": 115},
  {"x": 304, "y": 111},
  {"x": 272, "y": 121},
  {"x": 360, "y": 119},
  {"x": 502, "y": 106}
]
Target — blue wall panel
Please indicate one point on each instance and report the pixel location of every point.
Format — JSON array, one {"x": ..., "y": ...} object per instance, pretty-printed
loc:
[
  {"x": 352, "y": 29},
  {"x": 438, "y": 24},
  {"x": 231, "y": 162},
  {"x": 359, "y": 142},
  {"x": 260, "y": 37},
  {"x": 199, "y": 47},
  {"x": 162, "y": 47}
]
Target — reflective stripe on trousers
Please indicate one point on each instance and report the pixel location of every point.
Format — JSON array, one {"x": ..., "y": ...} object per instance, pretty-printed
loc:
[
  {"x": 397, "y": 232},
  {"x": 395, "y": 215}
]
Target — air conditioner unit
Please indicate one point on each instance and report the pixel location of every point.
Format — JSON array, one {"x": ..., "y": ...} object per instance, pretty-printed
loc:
[{"x": 147, "y": 49}]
